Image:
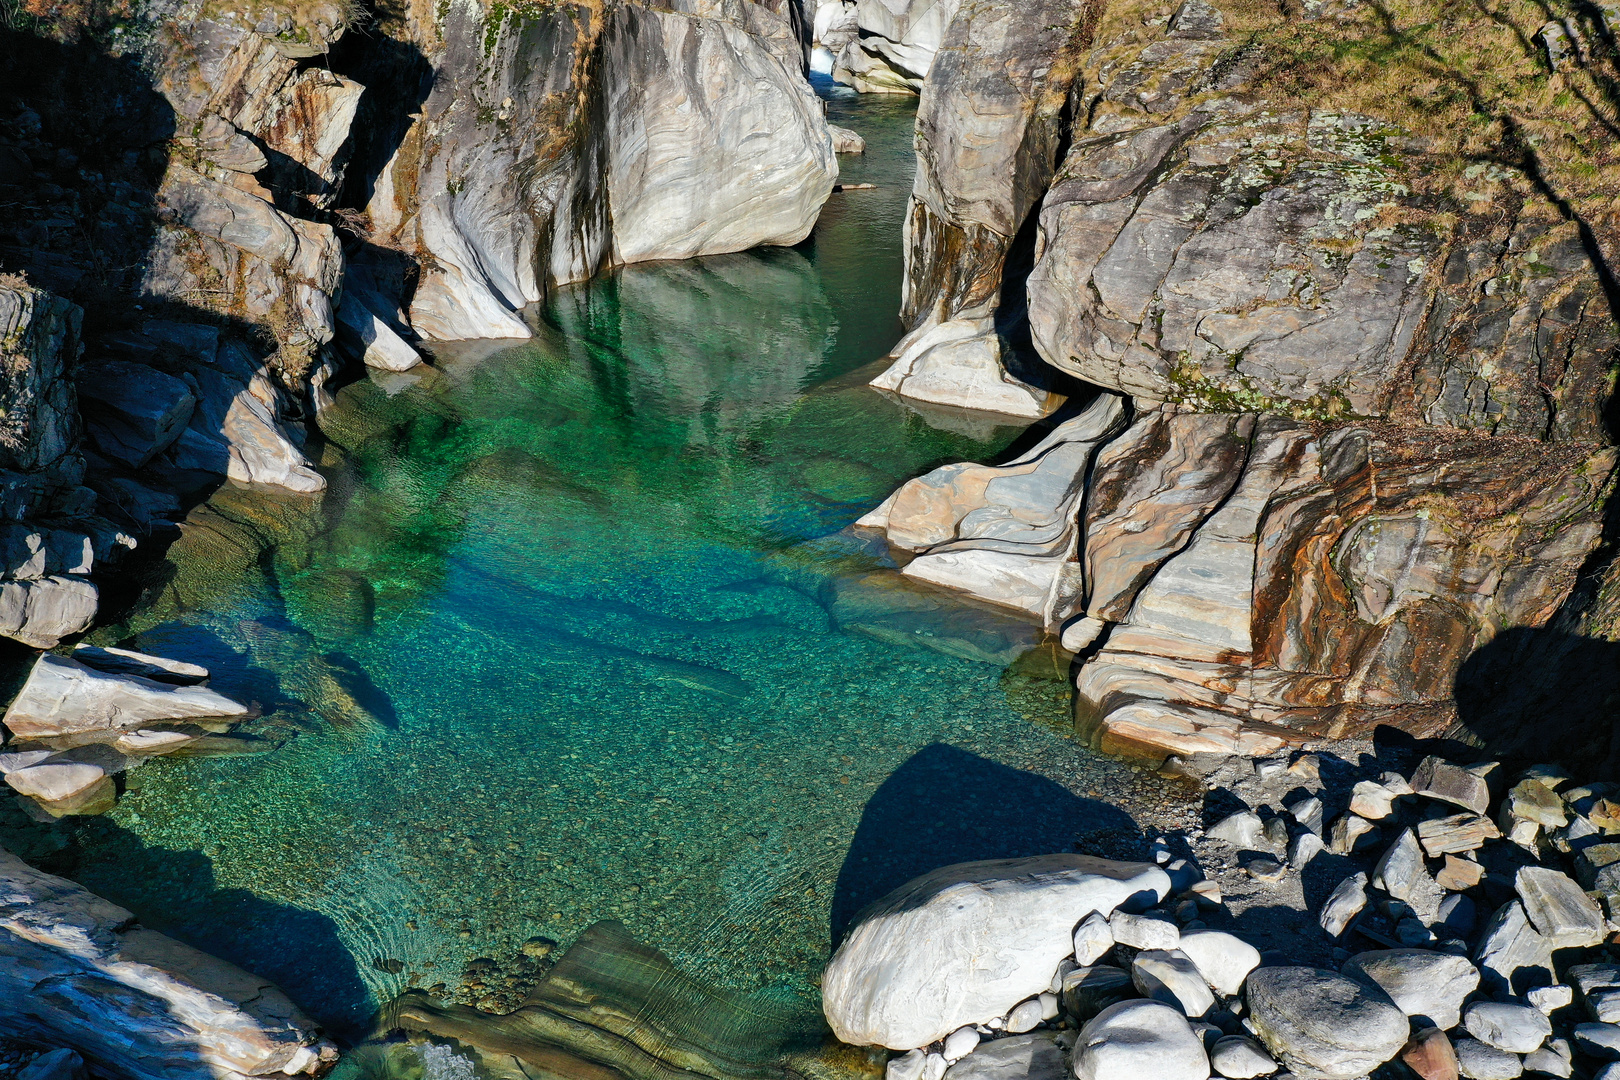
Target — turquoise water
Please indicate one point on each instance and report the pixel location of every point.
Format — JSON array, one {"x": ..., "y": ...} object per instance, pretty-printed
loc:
[{"x": 568, "y": 641}]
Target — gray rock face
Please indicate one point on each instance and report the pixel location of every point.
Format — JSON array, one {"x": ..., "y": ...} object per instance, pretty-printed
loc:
[
  {"x": 236, "y": 432},
  {"x": 78, "y": 972},
  {"x": 65, "y": 700},
  {"x": 988, "y": 129},
  {"x": 685, "y": 135},
  {"x": 1429, "y": 987},
  {"x": 42, "y": 597},
  {"x": 136, "y": 411},
  {"x": 39, "y": 340},
  {"x": 1166, "y": 242},
  {"x": 1320, "y": 1024},
  {"x": 1139, "y": 1038},
  {"x": 228, "y": 239},
  {"x": 1511, "y": 954},
  {"x": 1021, "y": 1057},
  {"x": 966, "y": 943}
]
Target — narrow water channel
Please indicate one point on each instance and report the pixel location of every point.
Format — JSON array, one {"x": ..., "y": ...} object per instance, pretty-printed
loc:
[{"x": 567, "y": 643}]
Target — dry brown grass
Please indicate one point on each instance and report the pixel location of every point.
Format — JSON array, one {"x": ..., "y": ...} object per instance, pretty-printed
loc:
[
  {"x": 1469, "y": 79},
  {"x": 1493, "y": 120}
]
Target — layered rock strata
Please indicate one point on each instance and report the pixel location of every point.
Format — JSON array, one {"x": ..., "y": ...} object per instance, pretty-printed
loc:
[
  {"x": 81, "y": 720},
  {"x": 79, "y": 972},
  {"x": 1366, "y": 432}
]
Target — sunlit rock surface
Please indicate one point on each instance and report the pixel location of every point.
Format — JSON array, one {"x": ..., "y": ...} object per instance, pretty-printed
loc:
[
  {"x": 78, "y": 971},
  {"x": 661, "y": 135},
  {"x": 964, "y": 944}
]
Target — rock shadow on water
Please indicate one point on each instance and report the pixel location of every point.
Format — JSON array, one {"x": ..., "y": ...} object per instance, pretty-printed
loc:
[
  {"x": 945, "y": 805},
  {"x": 175, "y": 893}
]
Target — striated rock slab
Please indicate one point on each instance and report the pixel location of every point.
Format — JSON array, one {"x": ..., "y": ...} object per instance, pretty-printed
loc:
[
  {"x": 1003, "y": 533},
  {"x": 966, "y": 943},
  {"x": 77, "y": 971},
  {"x": 64, "y": 699}
]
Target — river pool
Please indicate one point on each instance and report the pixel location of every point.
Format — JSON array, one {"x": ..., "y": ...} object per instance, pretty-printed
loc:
[{"x": 567, "y": 642}]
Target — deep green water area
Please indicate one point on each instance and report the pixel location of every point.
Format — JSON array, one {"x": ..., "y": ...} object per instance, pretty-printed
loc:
[{"x": 568, "y": 641}]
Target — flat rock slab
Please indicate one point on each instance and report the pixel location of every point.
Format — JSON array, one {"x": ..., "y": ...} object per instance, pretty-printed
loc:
[
  {"x": 63, "y": 697},
  {"x": 1437, "y": 778},
  {"x": 1457, "y": 833},
  {"x": 1427, "y": 986},
  {"x": 966, "y": 943},
  {"x": 1321, "y": 1024},
  {"x": 1558, "y": 908},
  {"x": 130, "y": 662},
  {"x": 1599, "y": 989},
  {"x": 1511, "y": 954}
]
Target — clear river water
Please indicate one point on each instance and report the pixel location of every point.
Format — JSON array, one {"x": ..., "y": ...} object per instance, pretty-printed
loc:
[{"x": 567, "y": 641}]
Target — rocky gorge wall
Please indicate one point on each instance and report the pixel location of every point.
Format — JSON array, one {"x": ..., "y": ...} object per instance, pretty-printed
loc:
[
  {"x": 1355, "y": 371},
  {"x": 247, "y": 201}
]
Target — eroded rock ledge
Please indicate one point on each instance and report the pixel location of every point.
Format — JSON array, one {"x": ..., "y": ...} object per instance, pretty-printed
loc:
[{"x": 1351, "y": 427}]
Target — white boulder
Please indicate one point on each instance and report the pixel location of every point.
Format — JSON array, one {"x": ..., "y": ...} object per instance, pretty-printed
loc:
[
  {"x": 966, "y": 943},
  {"x": 1223, "y": 960},
  {"x": 65, "y": 699},
  {"x": 1137, "y": 1039}
]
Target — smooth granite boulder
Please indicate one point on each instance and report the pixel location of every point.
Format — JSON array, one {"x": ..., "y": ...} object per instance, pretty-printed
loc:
[
  {"x": 684, "y": 133},
  {"x": 79, "y": 972},
  {"x": 966, "y": 943},
  {"x": 1321, "y": 1024},
  {"x": 1136, "y": 1039}
]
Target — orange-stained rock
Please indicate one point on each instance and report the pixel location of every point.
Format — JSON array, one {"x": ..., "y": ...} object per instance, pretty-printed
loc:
[{"x": 1429, "y": 1054}]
